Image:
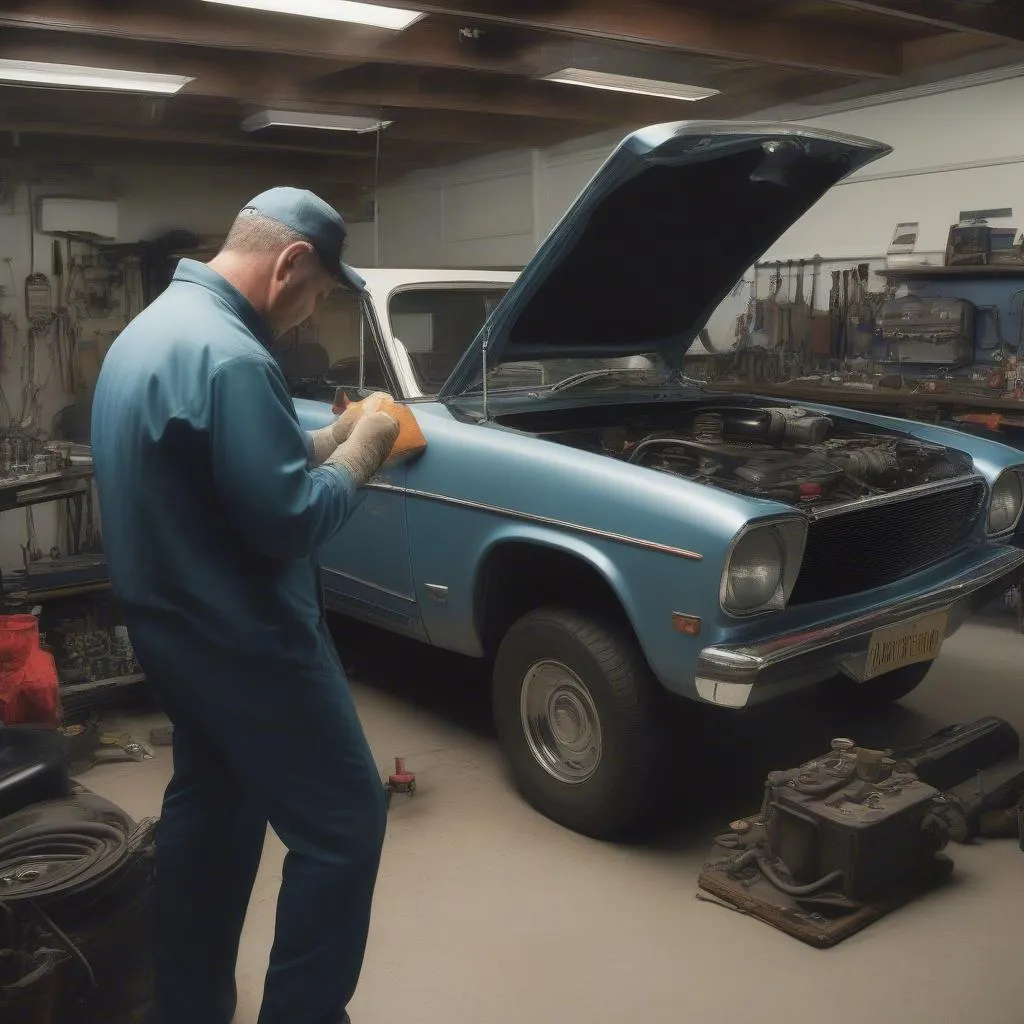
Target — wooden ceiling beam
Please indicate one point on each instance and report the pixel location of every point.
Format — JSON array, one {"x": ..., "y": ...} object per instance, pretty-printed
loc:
[
  {"x": 191, "y": 23},
  {"x": 665, "y": 26},
  {"x": 470, "y": 128},
  {"x": 391, "y": 88},
  {"x": 997, "y": 22},
  {"x": 169, "y": 137},
  {"x": 669, "y": 26},
  {"x": 415, "y": 133},
  {"x": 328, "y": 86},
  {"x": 51, "y": 146},
  {"x": 946, "y": 47}
]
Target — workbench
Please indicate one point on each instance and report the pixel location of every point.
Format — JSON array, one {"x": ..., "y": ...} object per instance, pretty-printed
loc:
[
  {"x": 73, "y": 483},
  {"x": 21, "y": 492},
  {"x": 997, "y": 293},
  {"x": 911, "y": 404}
]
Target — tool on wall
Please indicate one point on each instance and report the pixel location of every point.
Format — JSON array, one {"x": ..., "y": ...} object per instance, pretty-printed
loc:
[
  {"x": 838, "y": 305},
  {"x": 38, "y": 299},
  {"x": 800, "y": 324},
  {"x": 819, "y": 333},
  {"x": 861, "y": 329}
]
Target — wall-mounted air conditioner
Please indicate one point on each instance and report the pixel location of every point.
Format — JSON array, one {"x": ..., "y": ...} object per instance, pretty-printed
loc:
[{"x": 92, "y": 219}]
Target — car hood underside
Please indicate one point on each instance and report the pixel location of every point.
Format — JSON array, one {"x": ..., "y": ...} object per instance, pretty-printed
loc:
[{"x": 666, "y": 227}]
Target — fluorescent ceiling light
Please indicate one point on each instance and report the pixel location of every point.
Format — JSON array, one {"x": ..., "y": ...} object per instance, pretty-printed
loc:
[
  {"x": 334, "y": 10},
  {"x": 75, "y": 76},
  {"x": 302, "y": 119},
  {"x": 627, "y": 83}
]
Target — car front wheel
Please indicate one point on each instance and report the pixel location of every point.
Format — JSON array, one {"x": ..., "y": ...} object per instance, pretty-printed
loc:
[{"x": 576, "y": 710}]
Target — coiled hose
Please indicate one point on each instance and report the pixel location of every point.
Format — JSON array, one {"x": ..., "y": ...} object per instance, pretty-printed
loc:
[
  {"x": 39, "y": 862},
  {"x": 62, "y": 848}
]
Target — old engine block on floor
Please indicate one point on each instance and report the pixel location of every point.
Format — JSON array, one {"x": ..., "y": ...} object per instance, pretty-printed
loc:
[
  {"x": 839, "y": 831},
  {"x": 851, "y": 818}
]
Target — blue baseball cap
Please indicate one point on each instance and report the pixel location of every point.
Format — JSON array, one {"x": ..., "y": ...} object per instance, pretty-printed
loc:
[{"x": 318, "y": 222}]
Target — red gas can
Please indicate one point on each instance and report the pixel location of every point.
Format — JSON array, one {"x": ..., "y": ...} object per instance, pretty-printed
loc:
[{"x": 29, "y": 684}]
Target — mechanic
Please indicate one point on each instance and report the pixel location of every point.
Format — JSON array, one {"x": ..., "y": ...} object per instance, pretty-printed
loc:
[{"x": 214, "y": 503}]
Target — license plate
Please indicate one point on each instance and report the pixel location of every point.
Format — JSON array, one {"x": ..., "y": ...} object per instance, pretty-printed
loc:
[{"x": 905, "y": 644}]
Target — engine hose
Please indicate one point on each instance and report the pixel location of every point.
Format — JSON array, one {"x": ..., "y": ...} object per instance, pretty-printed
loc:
[
  {"x": 68, "y": 856},
  {"x": 795, "y": 890}
]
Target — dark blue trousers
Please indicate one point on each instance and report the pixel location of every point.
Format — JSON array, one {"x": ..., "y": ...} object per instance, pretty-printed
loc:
[{"x": 252, "y": 748}]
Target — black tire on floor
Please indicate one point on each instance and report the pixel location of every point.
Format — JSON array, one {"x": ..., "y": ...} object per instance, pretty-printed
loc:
[
  {"x": 620, "y": 795},
  {"x": 881, "y": 690}
]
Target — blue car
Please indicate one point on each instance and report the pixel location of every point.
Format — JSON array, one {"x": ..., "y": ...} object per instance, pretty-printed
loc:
[{"x": 608, "y": 536}]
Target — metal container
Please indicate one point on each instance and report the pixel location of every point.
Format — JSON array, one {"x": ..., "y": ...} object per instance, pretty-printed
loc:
[{"x": 935, "y": 332}]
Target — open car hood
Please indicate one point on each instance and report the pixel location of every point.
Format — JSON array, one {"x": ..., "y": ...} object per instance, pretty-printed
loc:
[{"x": 674, "y": 217}]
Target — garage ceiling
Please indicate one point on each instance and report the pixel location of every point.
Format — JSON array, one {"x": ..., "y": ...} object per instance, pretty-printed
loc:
[{"x": 465, "y": 78}]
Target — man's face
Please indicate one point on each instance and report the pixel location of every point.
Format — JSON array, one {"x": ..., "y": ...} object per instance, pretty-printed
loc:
[{"x": 299, "y": 282}]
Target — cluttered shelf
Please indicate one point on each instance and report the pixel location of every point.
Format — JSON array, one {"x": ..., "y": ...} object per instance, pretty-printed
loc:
[
  {"x": 979, "y": 272},
  {"x": 31, "y": 474},
  {"x": 941, "y": 343},
  {"x": 68, "y": 590},
  {"x": 38, "y": 488}
]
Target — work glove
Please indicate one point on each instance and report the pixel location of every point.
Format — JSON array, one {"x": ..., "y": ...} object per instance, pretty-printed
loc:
[
  {"x": 367, "y": 447},
  {"x": 327, "y": 439}
]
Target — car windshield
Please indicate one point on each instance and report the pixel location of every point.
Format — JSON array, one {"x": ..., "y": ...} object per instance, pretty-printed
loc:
[{"x": 435, "y": 326}]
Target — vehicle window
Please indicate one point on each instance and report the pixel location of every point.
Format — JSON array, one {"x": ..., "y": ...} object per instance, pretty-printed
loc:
[
  {"x": 324, "y": 352},
  {"x": 436, "y": 325}
]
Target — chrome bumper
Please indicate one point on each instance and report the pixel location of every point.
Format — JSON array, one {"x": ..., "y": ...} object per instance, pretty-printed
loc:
[{"x": 737, "y": 675}]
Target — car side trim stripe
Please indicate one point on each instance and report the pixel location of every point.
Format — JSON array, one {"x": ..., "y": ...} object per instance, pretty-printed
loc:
[
  {"x": 367, "y": 583},
  {"x": 508, "y": 513}
]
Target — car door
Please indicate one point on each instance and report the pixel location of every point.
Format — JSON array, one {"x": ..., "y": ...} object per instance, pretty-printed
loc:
[{"x": 365, "y": 568}]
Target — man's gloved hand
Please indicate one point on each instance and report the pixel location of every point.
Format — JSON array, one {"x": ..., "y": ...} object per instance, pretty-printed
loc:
[
  {"x": 327, "y": 439},
  {"x": 367, "y": 446}
]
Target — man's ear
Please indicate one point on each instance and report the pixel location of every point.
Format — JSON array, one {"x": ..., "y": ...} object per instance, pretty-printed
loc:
[{"x": 292, "y": 256}]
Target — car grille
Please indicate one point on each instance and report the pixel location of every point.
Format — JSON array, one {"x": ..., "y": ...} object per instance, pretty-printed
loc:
[{"x": 880, "y": 544}]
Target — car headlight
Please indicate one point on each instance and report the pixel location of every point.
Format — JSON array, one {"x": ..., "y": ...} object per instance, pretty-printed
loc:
[
  {"x": 762, "y": 566},
  {"x": 1005, "y": 505}
]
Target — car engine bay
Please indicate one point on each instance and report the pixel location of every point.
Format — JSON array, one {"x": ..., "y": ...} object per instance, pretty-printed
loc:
[{"x": 784, "y": 453}]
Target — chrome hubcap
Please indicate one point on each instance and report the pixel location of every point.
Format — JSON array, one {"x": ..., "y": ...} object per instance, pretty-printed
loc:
[{"x": 560, "y": 722}]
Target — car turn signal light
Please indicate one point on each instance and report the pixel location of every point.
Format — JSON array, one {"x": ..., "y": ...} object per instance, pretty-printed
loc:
[{"x": 688, "y": 625}]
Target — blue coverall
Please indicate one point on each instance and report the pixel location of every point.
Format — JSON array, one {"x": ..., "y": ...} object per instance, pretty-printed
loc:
[{"x": 212, "y": 514}]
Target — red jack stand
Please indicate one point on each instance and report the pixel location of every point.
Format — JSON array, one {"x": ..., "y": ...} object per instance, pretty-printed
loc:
[{"x": 401, "y": 781}]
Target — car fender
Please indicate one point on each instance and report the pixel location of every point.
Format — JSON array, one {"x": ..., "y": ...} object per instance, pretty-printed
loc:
[
  {"x": 584, "y": 551},
  {"x": 659, "y": 542}
]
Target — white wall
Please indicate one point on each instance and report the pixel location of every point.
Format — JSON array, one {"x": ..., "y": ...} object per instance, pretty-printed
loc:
[
  {"x": 491, "y": 212},
  {"x": 953, "y": 151},
  {"x": 152, "y": 202}
]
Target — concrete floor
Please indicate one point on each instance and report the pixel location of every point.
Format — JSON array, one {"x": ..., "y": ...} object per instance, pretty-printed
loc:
[{"x": 488, "y": 914}]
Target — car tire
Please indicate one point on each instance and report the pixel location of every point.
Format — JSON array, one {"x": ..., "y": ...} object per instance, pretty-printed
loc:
[
  {"x": 881, "y": 690},
  {"x": 577, "y": 713}
]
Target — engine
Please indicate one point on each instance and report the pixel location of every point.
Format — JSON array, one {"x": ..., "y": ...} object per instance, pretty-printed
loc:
[{"x": 785, "y": 454}]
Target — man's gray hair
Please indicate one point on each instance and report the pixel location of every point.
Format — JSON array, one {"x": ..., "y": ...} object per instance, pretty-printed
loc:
[{"x": 254, "y": 234}]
